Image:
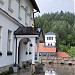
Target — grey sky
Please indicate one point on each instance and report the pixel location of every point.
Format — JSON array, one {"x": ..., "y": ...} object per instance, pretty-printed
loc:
[{"x": 55, "y": 5}]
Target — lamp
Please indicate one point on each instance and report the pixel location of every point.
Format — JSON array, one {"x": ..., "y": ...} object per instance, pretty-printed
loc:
[
  {"x": 26, "y": 41},
  {"x": 33, "y": 25}
]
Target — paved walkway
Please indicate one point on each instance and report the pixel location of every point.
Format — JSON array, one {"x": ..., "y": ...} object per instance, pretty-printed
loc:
[{"x": 23, "y": 72}]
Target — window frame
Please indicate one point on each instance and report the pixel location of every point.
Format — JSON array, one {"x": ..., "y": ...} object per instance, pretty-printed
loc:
[{"x": 9, "y": 43}]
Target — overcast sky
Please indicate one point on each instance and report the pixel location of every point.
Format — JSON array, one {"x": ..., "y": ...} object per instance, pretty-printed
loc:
[{"x": 46, "y": 6}]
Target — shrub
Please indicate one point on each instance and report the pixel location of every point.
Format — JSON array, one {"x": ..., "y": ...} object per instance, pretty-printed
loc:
[
  {"x": 7, "y": 72},
  {"x": 10, "y": 69}
]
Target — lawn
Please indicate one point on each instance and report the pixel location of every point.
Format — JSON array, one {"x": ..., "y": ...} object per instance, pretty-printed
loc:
[{"x": 71, "y": 52}]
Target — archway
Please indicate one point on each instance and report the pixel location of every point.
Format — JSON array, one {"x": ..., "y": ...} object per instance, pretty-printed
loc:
[{"x": 24, "y": 51}]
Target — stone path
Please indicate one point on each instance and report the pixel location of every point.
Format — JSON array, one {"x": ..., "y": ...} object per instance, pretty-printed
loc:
[{"x": 23, "y": 72}]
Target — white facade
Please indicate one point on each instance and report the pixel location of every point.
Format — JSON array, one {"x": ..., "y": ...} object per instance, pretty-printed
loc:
[
  {"x": 50, "y": 39},
  {"x": 12, "y": 16}
]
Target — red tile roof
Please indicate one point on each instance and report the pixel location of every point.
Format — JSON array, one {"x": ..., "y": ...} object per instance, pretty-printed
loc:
[
  {"x": 62, "y": 54},
  {"x": 46, "y": 49}
]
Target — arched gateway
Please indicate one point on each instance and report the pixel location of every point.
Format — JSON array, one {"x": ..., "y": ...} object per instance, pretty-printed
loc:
[{"x": 26, "y": 40}]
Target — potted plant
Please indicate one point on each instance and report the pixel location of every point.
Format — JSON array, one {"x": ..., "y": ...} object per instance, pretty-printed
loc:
[
  {"x": 0, "y": 53},
  {"x": 9, "y": 53},
  {"x": 31, "y": 45},
  {"x": 30, "y": 52},
  {"x": 26, "y": 53},
  {"x": 15, "y": 67}
]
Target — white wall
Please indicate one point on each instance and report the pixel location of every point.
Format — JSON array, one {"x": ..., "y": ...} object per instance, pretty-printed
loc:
[
  {"x": 6, "y": 24},
  {"x": 9, "y": 24},
  {"x": 15, "y": 8}
]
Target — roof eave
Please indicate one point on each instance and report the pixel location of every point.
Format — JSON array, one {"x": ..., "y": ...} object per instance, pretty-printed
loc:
[{"x": 35, "y": 6}]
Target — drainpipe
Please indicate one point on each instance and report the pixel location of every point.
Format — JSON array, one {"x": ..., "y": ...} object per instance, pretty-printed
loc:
[
  {"x": 33, "y": 17},
  {"x": 38, "y": 40},
  {"x": 16, "y": 50}
]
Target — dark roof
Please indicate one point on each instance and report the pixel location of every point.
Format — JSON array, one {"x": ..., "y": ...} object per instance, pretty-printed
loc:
[
  {"x": 22, "y": 30},
  {"x": 35, "y": 5},
  {"x": 50, "y": 33}
]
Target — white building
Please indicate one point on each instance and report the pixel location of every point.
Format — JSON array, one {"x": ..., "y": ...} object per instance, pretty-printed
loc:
[
  {"x": 50, "y": 39},
  {"x": 17, "y": 35}
]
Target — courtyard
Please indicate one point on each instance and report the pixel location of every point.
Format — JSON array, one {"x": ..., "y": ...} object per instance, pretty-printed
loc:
[{"x": 58, "y": 68}]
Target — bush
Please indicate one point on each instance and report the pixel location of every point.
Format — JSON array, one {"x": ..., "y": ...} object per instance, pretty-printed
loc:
[
  {"x": 7, "y": 72},
  {"x": 24, "y": 66},
  {"x": 10, "y": 69},
  {"x": 64, "y": 48}
]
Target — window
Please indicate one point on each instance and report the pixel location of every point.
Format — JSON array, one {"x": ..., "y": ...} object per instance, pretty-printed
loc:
[
  {"x": 49, "y": 38},
  {"x": 19, "y": 10},
  {"x": 26, "y": 15},
  {"x": 9, "y": 40},
  {"x": 9, "y": 3},
  {"x": 10, "y": 6}
]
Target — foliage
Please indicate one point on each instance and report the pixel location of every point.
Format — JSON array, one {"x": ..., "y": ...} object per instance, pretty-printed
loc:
[
  {"x": 64, "y": 48},
  {"x": 71, "y": 51},
  {"x": 63, "y": 24},
  {"x": 7, "y": 72}
]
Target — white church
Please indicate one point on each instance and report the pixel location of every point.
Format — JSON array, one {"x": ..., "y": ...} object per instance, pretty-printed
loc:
[{"x": 18, "y": 33}]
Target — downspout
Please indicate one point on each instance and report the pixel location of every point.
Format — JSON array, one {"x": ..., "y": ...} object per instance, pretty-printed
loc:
[
  {"x": 16, "y": 51},
  {"x": 33, "y": 18},
  {"x": 37, "y": 44}
]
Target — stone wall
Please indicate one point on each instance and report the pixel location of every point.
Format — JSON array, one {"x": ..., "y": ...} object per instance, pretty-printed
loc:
[
  {"x": 57, "y": 60},
  {"x": 5, "y": 68}
]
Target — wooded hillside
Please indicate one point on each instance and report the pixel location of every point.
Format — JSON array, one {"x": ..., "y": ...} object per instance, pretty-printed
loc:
[{"x": 63, "y": 24}]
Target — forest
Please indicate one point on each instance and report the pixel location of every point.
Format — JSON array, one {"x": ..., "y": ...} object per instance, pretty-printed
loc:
[{"x": 61, "y": 23}]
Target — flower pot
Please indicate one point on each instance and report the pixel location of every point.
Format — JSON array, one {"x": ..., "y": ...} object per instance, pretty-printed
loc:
[
  {"x": 0, "y": 53},
  {"x": 26, "y": 53},
  {"x": 15, "y": 68},
  {"x": 30, "y": 52}
]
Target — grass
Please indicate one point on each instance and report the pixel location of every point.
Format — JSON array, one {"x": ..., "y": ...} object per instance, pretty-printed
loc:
[{"x": 71, "y": 52}]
